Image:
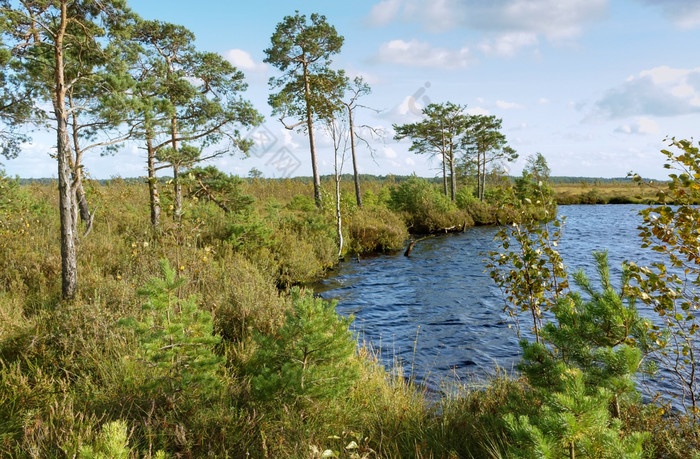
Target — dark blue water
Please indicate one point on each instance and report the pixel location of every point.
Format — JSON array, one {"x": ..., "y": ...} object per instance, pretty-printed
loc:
[{"x": 440, "y": 314}]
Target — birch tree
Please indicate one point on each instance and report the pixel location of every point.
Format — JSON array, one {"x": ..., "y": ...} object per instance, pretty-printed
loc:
[{"x": 357, "y": 89}]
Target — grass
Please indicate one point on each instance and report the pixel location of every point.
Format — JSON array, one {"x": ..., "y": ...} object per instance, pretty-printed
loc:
[
  {"x": 607, "y": 192},
  {"x": 71, "y": 379}
]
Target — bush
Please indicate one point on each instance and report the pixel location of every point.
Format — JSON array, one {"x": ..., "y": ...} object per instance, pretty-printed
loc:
[
  {"x": 582, "y": 362},
  {"x": 375, "y": 230},
  {"x": 481, "y": 213},
  {"x": 312, "y": 357},
  {"x": 465, "y": 197},
  {"x": 248, "y": 300},
  {"x": 302, "y": 203},
  {"x": 176, "y": 340},
  {"x": 426, "y": 210}
]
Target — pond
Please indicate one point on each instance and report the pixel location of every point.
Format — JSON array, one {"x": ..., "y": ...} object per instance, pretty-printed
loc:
[{"x": 441, "y": 316}]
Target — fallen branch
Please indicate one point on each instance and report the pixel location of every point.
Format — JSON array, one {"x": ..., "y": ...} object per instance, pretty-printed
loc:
[
  {"x": 449, "y": 229},
  {"x": 211, "y": 196},
  {"x": 413, "y": 243}
]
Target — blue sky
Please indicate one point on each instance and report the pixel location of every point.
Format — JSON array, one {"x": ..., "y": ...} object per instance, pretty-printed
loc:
[{"x": 594, "y": 85}]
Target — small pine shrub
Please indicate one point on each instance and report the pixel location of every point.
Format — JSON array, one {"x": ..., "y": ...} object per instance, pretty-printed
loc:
[
  {"x": 573, "y": 422},
  {"x": 312, "y": 357},
  {"x": 176, "y": 339},
  {"x": 604, "y": 337},
  {"x": 112, "y": 443}
]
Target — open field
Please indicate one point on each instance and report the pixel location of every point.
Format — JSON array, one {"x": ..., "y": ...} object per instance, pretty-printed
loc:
[{"x": 596, "y": 192}]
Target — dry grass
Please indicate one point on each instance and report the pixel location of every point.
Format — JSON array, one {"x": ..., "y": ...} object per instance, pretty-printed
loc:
[{"x": 607, "y": 193}]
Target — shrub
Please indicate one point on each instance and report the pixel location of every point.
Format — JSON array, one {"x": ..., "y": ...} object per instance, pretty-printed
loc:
[
  {"x": 426, "y": 209},
  {"x": 465, "y": 197},
  {"x": 481, "y": 213},
  {"x": 176, "y": 339},
  {"x": 582, "y": 362},
  {"x": 375, "y": 230},
  {"x": 248, "y": 300},
  {"x": 302, "y": 203},
  {"x": 312, "y": 357}
]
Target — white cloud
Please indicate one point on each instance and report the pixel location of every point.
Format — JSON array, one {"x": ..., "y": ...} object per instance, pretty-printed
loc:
[
  {"x": 243, "y": 60},
  {"x": 410, "y": 161},
  {"x": 642, "y": 125},
  {"x": 369, "y": 78},
  {"x": 661, "y": 91},
  {"x": 389, "y": 152},
  {"x": 508, "y": 105},
  {"x": 478, "y": 111},
  {"x": 507, "y": 25},
  {"x": 288, "y": 138},
  {"x": 415, "y": 53},
  {"x": 519, "y": 127},
  {"x": 543, "y": 101},
  {"x": 684, "y": 13},
  {"x": 384, "y": 12},
  {"x": 508, "y": 44}
]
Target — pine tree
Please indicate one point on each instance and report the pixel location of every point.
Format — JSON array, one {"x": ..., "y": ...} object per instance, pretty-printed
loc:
[
  {"x": 585, "y": 363},
  {"x": 312, "y": 357},
  {"x": 177, "y": 339},
  {"x": 573, "y": 422}
]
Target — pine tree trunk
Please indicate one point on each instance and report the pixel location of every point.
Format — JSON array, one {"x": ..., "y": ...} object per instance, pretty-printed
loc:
[
  {"x": 312, "y": 145},
  {"x": 478, "y": 174},
  {"x": 77, "y": 174},
  {"x": 483, "y": 178},
  {"x": 178, "y": 193},
  {"x": 177, "y": 214},
  {"x": 444, "y": 174},
  {"x": 443, "y": 151},
  {"x": 66, "y": 196},
  {"x": 572, "y": 450},
  {"x": 482, "y": 175},
  {"x": 154, "y": 197},
  {"x": 337, "y": 211}
]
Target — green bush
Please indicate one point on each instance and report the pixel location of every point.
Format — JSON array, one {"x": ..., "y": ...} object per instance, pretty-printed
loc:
[
  {"x": 311, "y": 357},
  {"x": 465, "y": 197},
  {"x": 481, "y": 213},
  {"x": 302, "y": 203},
  {"x": 177, "y": 340},
  {"x": 248, "y": 300},
  {"x": 426, "y": 210},
  {"x": 581, "y": 362},
  {"x": 375, "y": 229}
]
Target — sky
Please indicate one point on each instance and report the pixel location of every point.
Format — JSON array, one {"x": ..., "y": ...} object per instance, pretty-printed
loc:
[{"x": 596, "y": 86}]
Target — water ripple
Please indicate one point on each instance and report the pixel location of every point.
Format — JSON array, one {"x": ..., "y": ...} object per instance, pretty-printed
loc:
[{"x": 437, "y": 311}]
